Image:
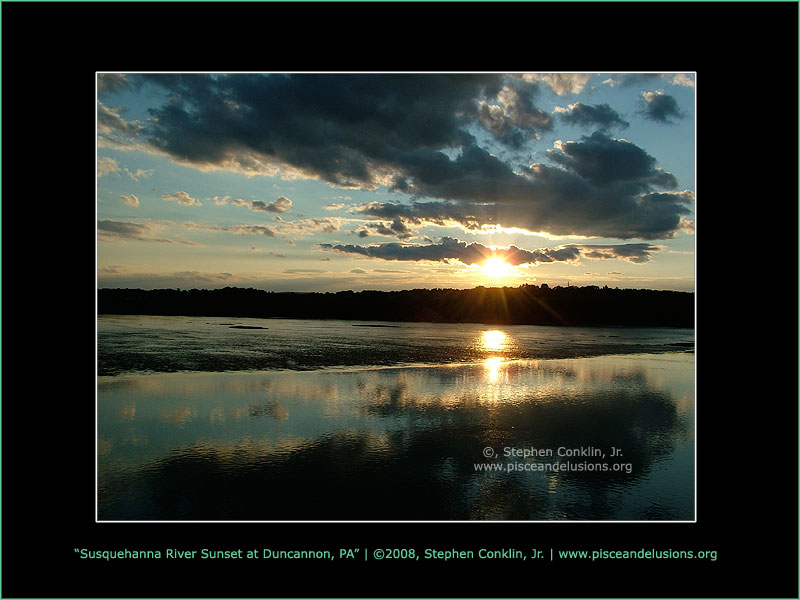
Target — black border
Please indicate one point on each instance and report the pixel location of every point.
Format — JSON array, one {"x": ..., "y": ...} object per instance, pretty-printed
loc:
[{"x": 745, "y": 55}]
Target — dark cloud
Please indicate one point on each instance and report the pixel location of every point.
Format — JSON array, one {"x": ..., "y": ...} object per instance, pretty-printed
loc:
[
  {"x": 604, "y": 160},
  {"x": 587, "y": 115},
  {"x": 635, "y": 253},
  {"x": 345, "y": 129},
  {"x": 397, "y": 228},
  {"x": 448, "y": 248},
  {"x": 475, "y": 253},
  {"x": 660, "y": 107},
  {"x": 470, "y": 216},
  {"x": 349, "y": 130},
  {"x": 604, "y": 187},
  {"x": 416, "y": 134},
  {"x": 632, "y": 79},
  {"x": 109, "y": 230}
]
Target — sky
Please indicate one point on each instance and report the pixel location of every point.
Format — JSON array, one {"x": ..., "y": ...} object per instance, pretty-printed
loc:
[{"x": 389, "y": 181}]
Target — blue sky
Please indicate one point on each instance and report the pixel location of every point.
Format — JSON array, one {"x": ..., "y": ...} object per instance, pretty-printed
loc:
[{"x": 333, "y": 181}]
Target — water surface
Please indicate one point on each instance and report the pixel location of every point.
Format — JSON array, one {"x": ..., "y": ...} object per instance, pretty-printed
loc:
[
  {"x": 411, "y": 441},
  {"x": 167, "y": 344}
]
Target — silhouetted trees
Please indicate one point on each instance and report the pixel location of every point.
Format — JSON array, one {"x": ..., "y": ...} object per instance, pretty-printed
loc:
[{"x": 527, "y": 304}]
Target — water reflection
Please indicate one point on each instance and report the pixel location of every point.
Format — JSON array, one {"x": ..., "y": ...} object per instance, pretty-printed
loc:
[
  {"x": 494, "y": 340},
  {"x": 493, "y": 365},
  {"x": 398, "y": 443},
  {"x": 208, "y": 344}
]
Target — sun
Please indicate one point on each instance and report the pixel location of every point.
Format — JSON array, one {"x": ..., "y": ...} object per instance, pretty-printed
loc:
[{"x": 496, "y": 267}]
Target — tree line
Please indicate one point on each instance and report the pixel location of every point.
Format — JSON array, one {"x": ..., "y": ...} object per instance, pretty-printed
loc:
[{"x": 526, "y": 304}]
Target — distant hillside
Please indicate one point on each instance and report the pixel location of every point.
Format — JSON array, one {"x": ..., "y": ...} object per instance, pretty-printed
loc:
[{"x": 527, "y": 304}]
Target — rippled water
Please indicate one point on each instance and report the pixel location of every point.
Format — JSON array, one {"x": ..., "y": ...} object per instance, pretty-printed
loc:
[
  {"x": 481, "y": 433},
  {"x": 167, "y": 344}
]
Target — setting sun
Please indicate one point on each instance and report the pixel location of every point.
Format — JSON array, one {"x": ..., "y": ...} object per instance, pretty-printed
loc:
[{"x": 496, "y": 267}]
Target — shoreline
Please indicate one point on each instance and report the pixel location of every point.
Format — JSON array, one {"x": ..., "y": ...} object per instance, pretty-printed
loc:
[{"x": 398, "y": 366}]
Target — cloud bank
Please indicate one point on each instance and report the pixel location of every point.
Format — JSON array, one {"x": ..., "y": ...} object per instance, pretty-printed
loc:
[
  {"x": 422, "y": 135},
  {"x": 475, "y": 253}
]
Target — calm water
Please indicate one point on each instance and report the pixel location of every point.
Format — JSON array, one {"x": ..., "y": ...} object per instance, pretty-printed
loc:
[{"x": 324, "y": 420}]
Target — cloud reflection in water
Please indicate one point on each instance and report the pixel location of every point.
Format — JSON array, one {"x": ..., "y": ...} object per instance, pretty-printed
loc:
[{"x": 398, "y": 443}]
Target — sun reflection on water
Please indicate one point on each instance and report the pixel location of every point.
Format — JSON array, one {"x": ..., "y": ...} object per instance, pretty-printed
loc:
[
  {"x": 494, "y": 340},
  {"x": 493, "y": 365}
]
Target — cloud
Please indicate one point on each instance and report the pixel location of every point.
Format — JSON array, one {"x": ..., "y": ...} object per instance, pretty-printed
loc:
[
  {"x": 475, "y": 253},
  {"x": 250, "y": 230},
  {"x": 634, "y": 253},
  {"x": 235, "y": 229},
  {"x": 111, "y": 82},
  {"x": 660, "y": 107},
  {"x": 307, "y": 226},
  {"x": 131, "y": 200},
  {"x": 397, "y": 228},
  {"x": 109, "y": 230},
  {"x": 514, "y": 119},
  {"x": 418, "y": 135},
  {"x": 110, "y": 122},
  {"x": 282, "y": 204},
  {"x": 682, "y": 79},
  {"x": 139, "y": 174},
  {"x": 561, "y": 83},
  {"x": 283, "y": 227},
  {"x": 602, "y": 187},
  {"x": 106, "y": 165},
  {"x": 586, "y": 115},
  {"x": 349, "y": 130},
  {"x": 603, "y": 160},
  {"x": 182, "y": 198},
  {"x": 631, "y": 79},
  {"x": 468, "y": 215}
]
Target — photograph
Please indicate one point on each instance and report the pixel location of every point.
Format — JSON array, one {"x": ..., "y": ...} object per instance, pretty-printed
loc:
[{"x": 405, "y": 296}]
